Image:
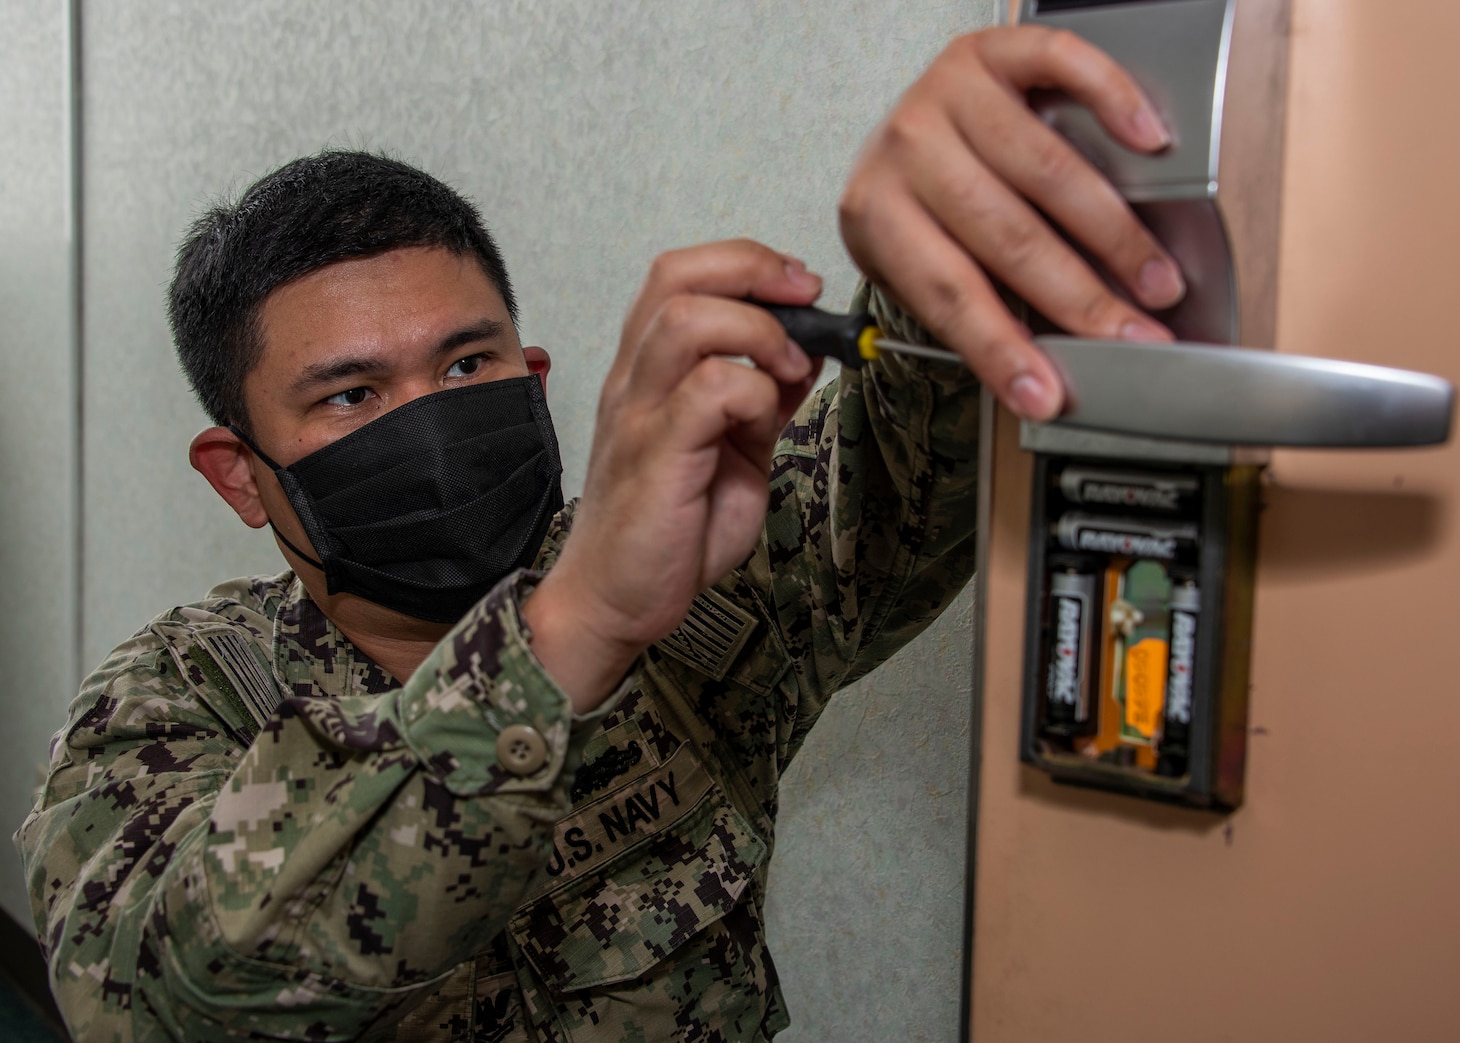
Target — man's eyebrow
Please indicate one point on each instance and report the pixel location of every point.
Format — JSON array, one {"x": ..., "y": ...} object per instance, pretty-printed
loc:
[
  {"x": 321, "y": 374},
  {"x": 487, "y": 329}
]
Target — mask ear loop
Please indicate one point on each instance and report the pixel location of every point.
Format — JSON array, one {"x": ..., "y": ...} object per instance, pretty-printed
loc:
[{"x": 271, "y": 465}]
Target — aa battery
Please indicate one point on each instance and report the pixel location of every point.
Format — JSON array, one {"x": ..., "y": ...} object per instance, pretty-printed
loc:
[
  {"x": 1131, "y": 537},
  {"x": 1069, "y": 666},
  {"x": 1137, "y": 490},
  {"x": 1180, "y": 674}
]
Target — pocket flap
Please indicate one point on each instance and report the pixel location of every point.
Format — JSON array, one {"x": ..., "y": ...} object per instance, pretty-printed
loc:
[{"x": 633, "y": 907}]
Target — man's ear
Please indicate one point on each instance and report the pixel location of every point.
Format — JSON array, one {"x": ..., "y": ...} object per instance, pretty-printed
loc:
[
  {"x": 221, "y": 457},
  {"x": 538, "y": 363}
]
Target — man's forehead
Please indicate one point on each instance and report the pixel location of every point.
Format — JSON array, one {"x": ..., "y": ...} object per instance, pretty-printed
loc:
[
  {"x": 404, "y": 270},
  {"x": 407, "y": 293},
  {"x": 369, "y": 318}
]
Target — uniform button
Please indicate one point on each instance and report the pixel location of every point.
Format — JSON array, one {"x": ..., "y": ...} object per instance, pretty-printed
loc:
[{"x": 521, "y": 749}]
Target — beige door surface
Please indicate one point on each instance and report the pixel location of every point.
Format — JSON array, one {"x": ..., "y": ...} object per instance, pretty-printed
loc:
[{"x": 1328, "y": 907}]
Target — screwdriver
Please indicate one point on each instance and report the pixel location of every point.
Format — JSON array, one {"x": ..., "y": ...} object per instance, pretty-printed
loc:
[{"x": 850, "y": 339}]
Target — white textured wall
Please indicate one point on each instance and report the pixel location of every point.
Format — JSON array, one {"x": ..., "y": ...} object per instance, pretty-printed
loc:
[
  {"x": 593, "y": 135},
  {"x": 37, "y": 414}
]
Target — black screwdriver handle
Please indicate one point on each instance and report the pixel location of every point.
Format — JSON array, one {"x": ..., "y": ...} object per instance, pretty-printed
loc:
[{"x": 825, "y": 333}]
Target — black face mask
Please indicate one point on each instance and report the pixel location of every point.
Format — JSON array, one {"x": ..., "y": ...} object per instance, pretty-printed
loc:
[{"x": 426, "y": 508}]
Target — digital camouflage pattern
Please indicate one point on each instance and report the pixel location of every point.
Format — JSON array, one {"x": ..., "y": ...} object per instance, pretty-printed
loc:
[{"x": 250, "y": 831}]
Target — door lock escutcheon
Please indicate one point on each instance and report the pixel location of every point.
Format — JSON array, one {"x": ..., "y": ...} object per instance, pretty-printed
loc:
[{"x": 1142, "y": 550}]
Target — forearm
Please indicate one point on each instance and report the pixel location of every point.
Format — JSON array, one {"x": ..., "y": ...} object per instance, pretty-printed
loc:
[
  {"x": 353, "y": 853},
  {"x": 927, "y": 419},
  {"x": 873, "y": 505},
  {"x": 364, "y": 914}
]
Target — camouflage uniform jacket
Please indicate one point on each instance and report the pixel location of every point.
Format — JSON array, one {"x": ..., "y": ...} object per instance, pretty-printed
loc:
[{"x": 250, "y": 831}]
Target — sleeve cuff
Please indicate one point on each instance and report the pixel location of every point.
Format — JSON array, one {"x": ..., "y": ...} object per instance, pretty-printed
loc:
[{"x": 483, "y": 715}]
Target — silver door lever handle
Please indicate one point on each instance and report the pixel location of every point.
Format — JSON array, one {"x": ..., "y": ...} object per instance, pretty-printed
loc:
[{"x": 1239, "y": 396}]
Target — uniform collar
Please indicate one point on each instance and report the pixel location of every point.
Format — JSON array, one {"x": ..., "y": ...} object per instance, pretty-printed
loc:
[{"x": 315, "y": 658}]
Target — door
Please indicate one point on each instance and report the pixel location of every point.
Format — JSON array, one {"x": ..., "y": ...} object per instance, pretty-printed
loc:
[{"x": 1326, "y": 907}]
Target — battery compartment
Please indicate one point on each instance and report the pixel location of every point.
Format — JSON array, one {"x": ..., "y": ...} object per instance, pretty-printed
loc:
[{"x": 1138, "y": 626}]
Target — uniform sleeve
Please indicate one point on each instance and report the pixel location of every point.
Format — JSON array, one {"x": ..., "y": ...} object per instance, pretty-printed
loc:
[
  {"x": 307, "y": 885},
  {"x": 870, "y": 532}
]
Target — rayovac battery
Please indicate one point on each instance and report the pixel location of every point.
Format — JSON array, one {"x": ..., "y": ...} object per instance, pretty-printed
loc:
[
  {"x": 1140, "y": 490},
  {"x": 1132, "y": 537},
  {"x": 1069, "y": 667},
  {"x": 1174, "y": 745}
]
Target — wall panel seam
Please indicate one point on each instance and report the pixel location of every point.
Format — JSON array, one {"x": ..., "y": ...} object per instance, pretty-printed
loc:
[{"x": 76, "y": 226}]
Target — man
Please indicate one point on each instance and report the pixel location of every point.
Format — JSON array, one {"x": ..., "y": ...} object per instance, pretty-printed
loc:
[{"x": 482, "y": 766}]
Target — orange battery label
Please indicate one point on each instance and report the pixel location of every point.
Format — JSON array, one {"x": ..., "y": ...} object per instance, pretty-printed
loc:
[{"x": 1145, "y": 685}]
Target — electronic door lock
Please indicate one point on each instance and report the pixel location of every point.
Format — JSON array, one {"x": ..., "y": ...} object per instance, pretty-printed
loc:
[
  {"x": 1142, "y": 550},
  {"x": 1143, "y": 546}
]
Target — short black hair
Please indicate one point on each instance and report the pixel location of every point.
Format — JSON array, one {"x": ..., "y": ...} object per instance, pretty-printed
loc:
[{"x": 309, "y": 213}]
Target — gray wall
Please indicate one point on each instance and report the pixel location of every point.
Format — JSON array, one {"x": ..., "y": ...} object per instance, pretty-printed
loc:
[
  {"x": 593, "y": 135},
  {"x": 38, "y": 416}
]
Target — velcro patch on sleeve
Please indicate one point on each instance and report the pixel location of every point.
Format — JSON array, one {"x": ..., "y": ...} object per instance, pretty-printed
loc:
[
  {"x": 712, "y": 635},
  {"x": 250, "y": 679}
]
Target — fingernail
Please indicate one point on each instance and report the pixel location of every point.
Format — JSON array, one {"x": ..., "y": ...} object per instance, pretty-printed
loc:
[
  {"x": 1031, "y": 399},
  {"x": 1160, "y": 283},
  {"x": 1146, "y": 332},
  {"x": 1149, "y": 129},
  {"x": 802, "y": 278},
  {"x": 797, "y": 355}
]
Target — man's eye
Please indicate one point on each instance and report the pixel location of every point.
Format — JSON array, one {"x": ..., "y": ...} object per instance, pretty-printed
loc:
[
  {"x": 353, "y": 397},
  {"x": 467, "y": 366}
]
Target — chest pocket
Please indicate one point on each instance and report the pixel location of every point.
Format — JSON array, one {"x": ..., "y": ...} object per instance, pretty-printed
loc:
[{"x": 641, "y": 872}]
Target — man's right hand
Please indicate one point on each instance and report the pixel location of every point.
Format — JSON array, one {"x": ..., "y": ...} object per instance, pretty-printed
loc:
[{"x": 676, "y": 492}]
